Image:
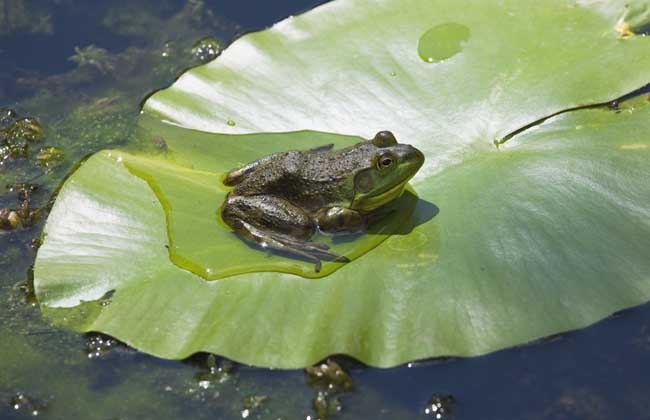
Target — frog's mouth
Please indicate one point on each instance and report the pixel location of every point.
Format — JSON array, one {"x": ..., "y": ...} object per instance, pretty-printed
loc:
[{"x": 371, "y": 202}]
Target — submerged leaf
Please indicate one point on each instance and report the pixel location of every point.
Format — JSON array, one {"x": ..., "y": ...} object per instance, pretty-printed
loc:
[
  {"x": 191, "y": 195},
  {"x": 547, "y": 233}
]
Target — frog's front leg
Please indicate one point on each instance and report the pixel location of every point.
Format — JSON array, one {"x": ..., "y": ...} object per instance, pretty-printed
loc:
[
  {"x": 345, "y": 220},
  {"x": 276, "y": 224},
  {"x": 340, "y": 220}
]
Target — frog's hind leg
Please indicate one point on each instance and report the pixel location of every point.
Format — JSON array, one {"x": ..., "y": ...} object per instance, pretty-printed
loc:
[
  {"x": 313, "y": 252},
  {"x": 276, "y": 224}
]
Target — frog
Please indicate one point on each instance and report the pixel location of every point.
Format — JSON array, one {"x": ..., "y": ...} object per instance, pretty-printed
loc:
[{"x": 279, "y": 202}]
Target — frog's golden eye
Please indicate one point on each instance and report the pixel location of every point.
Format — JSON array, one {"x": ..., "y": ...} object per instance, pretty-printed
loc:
[
  {"x": 385, "y": 160},
  {"x": 384, "y": 139}
]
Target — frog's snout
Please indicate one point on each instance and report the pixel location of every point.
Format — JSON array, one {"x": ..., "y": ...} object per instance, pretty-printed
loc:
[
  {"x": 410, "y": 157},
  {"x": 419, "y": 156}
]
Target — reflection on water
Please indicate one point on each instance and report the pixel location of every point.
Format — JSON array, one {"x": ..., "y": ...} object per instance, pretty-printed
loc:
[
  {"x": 26, "y": 405},
  {"x": 439, "y": 406},
  {"x": 99, "y": 345},
  {"x": 329, "y": 382}
]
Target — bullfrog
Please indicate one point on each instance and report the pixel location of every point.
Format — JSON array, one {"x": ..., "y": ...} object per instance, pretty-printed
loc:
[{"x": 278, "y": 202}]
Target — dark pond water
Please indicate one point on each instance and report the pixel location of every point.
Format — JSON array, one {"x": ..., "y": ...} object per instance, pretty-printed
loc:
[{"x": 89, "y": 103}]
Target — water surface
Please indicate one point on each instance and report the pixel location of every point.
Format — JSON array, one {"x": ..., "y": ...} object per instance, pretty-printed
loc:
[{"x": 90, "y": 103}]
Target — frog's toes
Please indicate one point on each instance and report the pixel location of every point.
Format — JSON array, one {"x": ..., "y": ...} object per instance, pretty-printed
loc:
[
  {"x": 317, "y": 245},
  {"x": 331, "y": 257},
  {"x": 325, "y": 254}
]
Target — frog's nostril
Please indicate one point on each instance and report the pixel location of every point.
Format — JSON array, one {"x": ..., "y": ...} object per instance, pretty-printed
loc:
[{"x": 417, "y": 155}]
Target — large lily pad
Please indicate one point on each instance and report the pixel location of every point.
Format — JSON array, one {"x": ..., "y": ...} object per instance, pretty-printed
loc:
[{"x": 547, "y": 233}]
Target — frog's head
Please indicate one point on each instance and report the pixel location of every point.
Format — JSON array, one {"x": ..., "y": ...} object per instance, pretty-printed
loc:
[{"x": 391, "y": 167}]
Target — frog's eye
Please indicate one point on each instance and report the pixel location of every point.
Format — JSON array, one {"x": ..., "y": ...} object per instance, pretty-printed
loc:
[
  {"x": 384, "y": 139},
  {"x": 385, "y": 160}
]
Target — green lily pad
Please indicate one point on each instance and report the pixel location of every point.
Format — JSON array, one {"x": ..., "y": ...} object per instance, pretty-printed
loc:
[{"x": 546, "y": 233}]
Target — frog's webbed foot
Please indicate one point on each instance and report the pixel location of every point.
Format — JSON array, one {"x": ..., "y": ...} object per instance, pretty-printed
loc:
[{"x": 314, "y": 252}]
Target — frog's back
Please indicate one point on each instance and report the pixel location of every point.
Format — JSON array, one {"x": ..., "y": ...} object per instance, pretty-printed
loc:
[
  {"x": 336, "y": 166},
  {"x": 309, "y": 179},
  {"x": 266, "y": 176}
]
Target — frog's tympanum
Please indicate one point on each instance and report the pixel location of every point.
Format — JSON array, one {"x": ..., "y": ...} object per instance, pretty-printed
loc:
[{"x": 279, "y": 201}]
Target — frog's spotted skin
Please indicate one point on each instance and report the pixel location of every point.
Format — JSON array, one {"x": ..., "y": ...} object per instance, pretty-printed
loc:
[{"x": 280, "y": 200}]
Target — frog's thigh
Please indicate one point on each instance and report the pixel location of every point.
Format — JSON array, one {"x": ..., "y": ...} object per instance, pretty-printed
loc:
[
  {"x": 267, "y": 213},
  {"x": 340, "y": 219}
]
